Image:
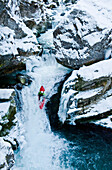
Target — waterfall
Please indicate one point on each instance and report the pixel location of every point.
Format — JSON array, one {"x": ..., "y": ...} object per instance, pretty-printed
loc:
[{"x": 42, "y": 148}]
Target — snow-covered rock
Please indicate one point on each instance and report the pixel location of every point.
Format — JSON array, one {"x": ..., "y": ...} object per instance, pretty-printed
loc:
[
  {"x": 7, "y": 121},
  {"x": 6, "y": 155},
  {"x": 87, "y": 94},
  {"x": 7, "y": 110},
  {"x": 85, "y": 34},
  {"x": 6, "y": 94},
  {"x": 20, "y": 22}
]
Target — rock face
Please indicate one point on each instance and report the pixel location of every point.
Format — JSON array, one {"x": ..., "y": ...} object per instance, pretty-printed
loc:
[
  {"x": 87, "y": 95},
  {"x": 34, "y": 15},
  {"x": 20, "y": 22},
  {"x": 53, "y": 105},
  {"x": 82, "y": 38}
]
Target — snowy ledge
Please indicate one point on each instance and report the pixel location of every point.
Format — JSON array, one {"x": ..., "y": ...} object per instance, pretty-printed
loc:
[
  {"x": 5, "y": 94},
  {"x": 92, "y": 100}
]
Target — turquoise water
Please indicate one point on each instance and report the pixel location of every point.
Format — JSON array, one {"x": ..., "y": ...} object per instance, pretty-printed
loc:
[{"x": 89, "y": 148}]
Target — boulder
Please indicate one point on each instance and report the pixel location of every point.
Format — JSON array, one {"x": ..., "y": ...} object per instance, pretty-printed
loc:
[
  {"x": 23, "y": 79},
  {"x": 80, "y": 38}
]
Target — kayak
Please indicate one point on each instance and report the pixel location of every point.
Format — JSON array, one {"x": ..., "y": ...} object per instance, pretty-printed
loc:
[{"x": 41, "y": 102}]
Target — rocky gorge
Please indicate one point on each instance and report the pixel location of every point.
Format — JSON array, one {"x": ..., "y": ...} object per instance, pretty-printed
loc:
[
  {"x": 20, "y": 24},
  {"x": 83, "y": 43}
]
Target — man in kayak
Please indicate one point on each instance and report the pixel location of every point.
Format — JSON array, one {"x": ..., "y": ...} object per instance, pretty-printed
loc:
[{"x": 41, "y": 92}]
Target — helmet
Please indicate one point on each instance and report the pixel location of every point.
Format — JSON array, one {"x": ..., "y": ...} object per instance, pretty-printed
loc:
[{"x": 42, "y": 88}]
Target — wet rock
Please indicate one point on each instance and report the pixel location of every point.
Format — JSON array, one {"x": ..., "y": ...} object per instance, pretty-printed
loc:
[
  {"x": 19, "y": 86},
  {"x": 23, "y": 79},
  {"x": 9, "y": 64},
  {"x": 30, "y": 23},
  {"x": 69, "y": 1},
  {"x": 31, "y": 8},
  {"x": 46, "y": 1},
  {"x": 62, "y": 14},
  {"x": 27, "y": 52}
]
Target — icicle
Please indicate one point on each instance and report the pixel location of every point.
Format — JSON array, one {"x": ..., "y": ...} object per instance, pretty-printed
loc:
[{"x": 108, "y": 54}]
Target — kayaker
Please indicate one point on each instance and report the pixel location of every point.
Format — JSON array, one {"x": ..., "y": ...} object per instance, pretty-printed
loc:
[{"x": 41, "y": 92}]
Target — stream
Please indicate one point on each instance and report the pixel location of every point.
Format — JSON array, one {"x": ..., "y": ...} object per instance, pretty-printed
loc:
[{"x": 69, "y": 148}]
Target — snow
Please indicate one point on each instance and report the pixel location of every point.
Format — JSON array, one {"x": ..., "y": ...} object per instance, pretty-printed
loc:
[
  {"x": 106, "y": 122},
  {"x": 9, "y": 44},
  {"x": 88, "y": 93},
  {"x": 6, "y": 149},
  {"x": 94, "y": 71},
  {"x": 27, "y": 43},
  {"x": 4, "y": 107},
  {"x": 104, "y": 68},
  {"x": 64, "y": 37},
  {"x": 101, "y": 10},
  {"x": 73, "y": 110},
  {"x": 70, "y": 52},
  {"x": 6, "y": 93},
  {"x": 96, "y": 23},
  {"x": 93, "y": 38}
]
